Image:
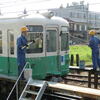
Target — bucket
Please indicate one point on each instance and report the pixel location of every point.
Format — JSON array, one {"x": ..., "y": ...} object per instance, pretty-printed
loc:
[
  {"x": 27, "y": 73},
  {"x": 82, "y": 64}
]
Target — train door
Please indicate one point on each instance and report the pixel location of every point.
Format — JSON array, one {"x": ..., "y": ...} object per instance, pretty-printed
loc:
[
  {"x": 12, "y": 68},
  {"x": 52, "y": 50},
  {"x": 64, "y": 49},
  {"x": 3, "y": 56}
]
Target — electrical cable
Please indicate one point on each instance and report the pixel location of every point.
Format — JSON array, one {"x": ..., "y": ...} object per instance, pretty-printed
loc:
[{"x": 84, "y": 10}]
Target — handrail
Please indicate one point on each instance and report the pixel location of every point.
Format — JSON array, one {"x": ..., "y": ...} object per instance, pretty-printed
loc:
[
  {"x": 24, "y": 89},
  {"x": 17, "y": 80}
]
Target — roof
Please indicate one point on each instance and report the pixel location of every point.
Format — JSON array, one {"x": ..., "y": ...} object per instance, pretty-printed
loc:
[
  {"x": 36, "y": 18},
  {"x": 73, "y": 21}
]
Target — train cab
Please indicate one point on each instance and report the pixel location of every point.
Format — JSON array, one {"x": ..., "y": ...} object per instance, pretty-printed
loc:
[{"x": 48, "y": 56}]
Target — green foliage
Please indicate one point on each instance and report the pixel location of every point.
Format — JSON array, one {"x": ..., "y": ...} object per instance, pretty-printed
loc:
[{"x": 84, "y": 53}]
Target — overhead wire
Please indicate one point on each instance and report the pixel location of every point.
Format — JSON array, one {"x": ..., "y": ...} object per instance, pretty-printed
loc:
[
  {"x": 40, "y": 9},
  {"x": 21, "y": 3},
  {"x": 25, "y": 2},
  {"x": 8, "y": 2},
  {"x": 37, "y": 1}
]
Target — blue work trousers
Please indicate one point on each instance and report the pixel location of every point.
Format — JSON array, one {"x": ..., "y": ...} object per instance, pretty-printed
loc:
[{"x": 95, "y": 60}]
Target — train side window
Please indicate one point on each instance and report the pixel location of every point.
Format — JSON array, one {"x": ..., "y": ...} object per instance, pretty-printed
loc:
[
  {"x": 35, "y": 33},
  {"x": 51, "y": 40},
  {"x": 64, "y": 39},
  {"x": 11, "y": 44},
  {"x": 0, "y": 42}
]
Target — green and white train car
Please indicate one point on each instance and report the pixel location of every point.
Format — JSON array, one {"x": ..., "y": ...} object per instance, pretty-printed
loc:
[{"x": 47, "y": 57}]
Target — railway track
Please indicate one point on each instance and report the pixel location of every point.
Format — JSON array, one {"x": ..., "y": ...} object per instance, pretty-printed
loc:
[{"x": 81, "y": 79}]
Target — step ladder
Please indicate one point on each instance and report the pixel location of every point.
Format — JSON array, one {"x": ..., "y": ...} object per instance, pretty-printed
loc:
[{"x": 38, "y": 94}]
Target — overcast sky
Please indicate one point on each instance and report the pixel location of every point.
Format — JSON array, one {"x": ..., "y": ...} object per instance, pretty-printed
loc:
[{"x": 19, "y": 5}]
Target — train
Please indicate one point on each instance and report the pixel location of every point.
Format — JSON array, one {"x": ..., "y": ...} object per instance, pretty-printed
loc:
[{"x": 47, "y": 57}]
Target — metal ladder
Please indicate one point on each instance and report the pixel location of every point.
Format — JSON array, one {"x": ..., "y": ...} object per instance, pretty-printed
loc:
[
  {"x": 38, "y": 94},
  {"x": 16, "y": 83}
]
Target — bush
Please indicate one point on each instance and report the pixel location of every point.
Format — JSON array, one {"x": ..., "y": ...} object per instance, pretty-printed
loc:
[{"x": 84, "y": 53}]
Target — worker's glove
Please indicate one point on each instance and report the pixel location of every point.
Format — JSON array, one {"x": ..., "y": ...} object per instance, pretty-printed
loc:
[
  {"x": 26, "y": 45},
  {"x": 33, "y": 41}
]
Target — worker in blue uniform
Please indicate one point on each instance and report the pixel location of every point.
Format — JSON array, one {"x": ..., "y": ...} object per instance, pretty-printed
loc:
[
  {"x": 94, "y": 44},
  {"x": 21, "y": 50}
]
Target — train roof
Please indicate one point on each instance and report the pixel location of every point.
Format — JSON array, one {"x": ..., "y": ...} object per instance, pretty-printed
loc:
[{"x": 33, "y": 18}]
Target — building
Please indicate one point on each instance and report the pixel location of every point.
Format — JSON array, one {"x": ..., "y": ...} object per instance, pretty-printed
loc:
[
  {"x": 79, "y": 17},
  {"x": 94, "y": 20}
]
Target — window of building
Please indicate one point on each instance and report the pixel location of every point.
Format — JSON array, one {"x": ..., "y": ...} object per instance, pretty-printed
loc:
[
  {"x": 77, "y": 27},
  {"x": 71, "y": 26},
  {"x": 79, "y": 15},
  {"x": 11, "y": 44},
  {"x": 0, "y": 42},
  {"x": 83, "y": 28},
  {"x": 84, "y": 16},
  {"x": 71, "y": 14},
  {"x": 35, "y": 33}
]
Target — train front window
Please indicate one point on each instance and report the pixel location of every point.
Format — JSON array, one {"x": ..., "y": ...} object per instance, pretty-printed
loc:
[
  {"x": 51, "y": 40},
  {"x": 0, "y": 42},
  {"x": 64, "y": 39},
  {"x": 35, "y": 33},
  {"x": 35, "y": 28}
]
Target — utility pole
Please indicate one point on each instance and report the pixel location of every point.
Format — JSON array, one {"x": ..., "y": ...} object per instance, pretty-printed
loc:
[
  {"x": 95, "y": 21},
  {"x": 0, "y": 12},
  {"x": 25, "y": 11},
  {"x": 87, "y": 20}
]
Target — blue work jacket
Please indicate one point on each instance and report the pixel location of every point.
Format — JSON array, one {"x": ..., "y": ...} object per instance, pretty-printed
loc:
[
  {"x": 21, "y": 59},
  {"x": 94, "y": 44}
]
